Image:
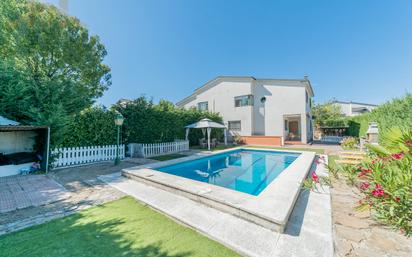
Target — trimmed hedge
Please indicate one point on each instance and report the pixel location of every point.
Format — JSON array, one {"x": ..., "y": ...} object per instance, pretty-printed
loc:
[
  {"x": 394, "y": 113},
  {"x": 145, "y": 122}
]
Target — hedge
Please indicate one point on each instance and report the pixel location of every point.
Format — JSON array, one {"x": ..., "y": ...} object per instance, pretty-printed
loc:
[
  {"x": 394, "y": 113},
  {"x": 145, "y": 122}
]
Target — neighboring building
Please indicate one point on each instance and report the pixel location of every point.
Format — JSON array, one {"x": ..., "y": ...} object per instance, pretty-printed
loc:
[
  {"x": 354, "y": 108},
  {"x": 262, "y": 111}
]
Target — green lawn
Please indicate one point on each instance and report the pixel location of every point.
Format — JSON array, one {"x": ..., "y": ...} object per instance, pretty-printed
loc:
[
  {"x": 168, "y": 157},
  {"x": 120, "y": 228}
]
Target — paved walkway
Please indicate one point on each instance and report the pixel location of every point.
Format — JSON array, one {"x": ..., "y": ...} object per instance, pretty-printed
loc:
[
  {"x": 357, "y": 234},
  {"x": 308, "y": 233},
  {"x": 18, "y": 192},
  {"x": 83, "y": 190}
]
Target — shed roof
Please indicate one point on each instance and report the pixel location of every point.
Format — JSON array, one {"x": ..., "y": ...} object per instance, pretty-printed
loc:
[
  {"x": 5, "y": 122},
  {"x": 21, "y": 128}
]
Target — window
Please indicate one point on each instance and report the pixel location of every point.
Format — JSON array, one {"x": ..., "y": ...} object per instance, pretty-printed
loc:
[
  {"x": 286, "y": 125},
  {"x": 307, "y": 96},
  {"x": 243, "y": 100},
  {"x": 203, "y": 106},
  {"x": 234, "y": 125}
]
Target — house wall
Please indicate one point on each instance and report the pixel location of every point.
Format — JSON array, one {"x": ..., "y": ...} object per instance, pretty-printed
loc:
[
  {"x": 280, "y": 102},
  {"x": 346, "y": 108},
  {"x": 221, "y": 99},
  {"x": 17, "y": 141},
  {"x": 261, "y": 119}
]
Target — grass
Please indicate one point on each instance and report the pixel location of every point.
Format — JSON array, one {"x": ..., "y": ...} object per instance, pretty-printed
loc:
[
  {"x": 119, "y": 228},
  {"x": 168, "y": 157}
]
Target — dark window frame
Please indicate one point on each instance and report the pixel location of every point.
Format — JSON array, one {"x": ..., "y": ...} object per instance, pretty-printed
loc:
[
  {"x": 200, "y": 103},
  {"x": 240, "y": 100},
  {"x": 236, "y": 129}
]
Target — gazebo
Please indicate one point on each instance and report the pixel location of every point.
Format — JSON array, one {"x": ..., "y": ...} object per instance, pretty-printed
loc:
[{"x": 206, "y": 125}]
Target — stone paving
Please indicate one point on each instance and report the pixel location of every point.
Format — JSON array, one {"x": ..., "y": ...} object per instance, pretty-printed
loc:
[
  {"x": 18, "y": 192},
  {"x": 308, "y": 232},
  {"x": 82, "y": 188},
  {"x": 357, "y": 234}
]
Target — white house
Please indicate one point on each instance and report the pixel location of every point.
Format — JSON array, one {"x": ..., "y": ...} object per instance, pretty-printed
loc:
[
  {"x": 262, "y": 111},
  {"x": 354, "y": 108}
]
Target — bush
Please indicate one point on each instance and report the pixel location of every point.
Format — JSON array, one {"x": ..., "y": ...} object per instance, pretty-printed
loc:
[
  {"x": 386, "y": 180},
  {"x": 93, "y": 126},
  {"x": 146, "y": 122},
  {"x": 396, "y": 112},
  {"x": 349, "y": 143}
]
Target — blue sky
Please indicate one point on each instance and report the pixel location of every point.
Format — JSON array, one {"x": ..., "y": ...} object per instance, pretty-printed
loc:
[{"x": 351, "y": 50}]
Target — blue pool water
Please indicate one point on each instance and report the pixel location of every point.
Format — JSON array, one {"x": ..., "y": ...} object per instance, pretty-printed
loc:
[{"x": 247, "y": 171}]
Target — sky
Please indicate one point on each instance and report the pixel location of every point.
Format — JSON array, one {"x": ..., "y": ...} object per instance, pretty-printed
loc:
[{"x": 352, "y": 50}]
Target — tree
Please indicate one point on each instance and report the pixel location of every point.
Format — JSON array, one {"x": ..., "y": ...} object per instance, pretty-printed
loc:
[
  {"x": 50, "y": 65},
  {"x": 327, "y": 114}
]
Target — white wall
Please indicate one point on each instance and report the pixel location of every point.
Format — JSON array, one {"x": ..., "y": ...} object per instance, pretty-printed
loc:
[
  {"x": 281, "y": 101},
  {"x": 282, "y": 98},
  {"x": 221, "y": 99},
  {"x": 346, "y": 108},
  {"x": 17, "y": 141}
]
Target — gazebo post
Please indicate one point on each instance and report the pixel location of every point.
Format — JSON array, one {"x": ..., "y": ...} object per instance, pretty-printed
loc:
[
  {"x": 209, "y": 129},
  {"x": 187, "y": 133},
  {"x": 225, "y": 135}
]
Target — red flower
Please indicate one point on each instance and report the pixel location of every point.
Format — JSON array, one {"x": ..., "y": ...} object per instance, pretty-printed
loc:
[
  {"x": 364, "y": 186},
  {"x": 397, "y": 199},
  {"x": 397, "y": 156},
  {"x": 378, "y": 191},
  {"x": 315, "y": 177},
  {"x": 364, "y": 172}
]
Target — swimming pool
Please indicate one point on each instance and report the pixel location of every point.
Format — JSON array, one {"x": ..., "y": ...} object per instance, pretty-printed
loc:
[{"x": 247, "y": 171}]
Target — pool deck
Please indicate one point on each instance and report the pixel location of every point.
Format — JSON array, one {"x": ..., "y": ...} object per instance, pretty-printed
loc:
[
  {"x": 307, "y": 233},
  {"x": 270, "y": 209}
]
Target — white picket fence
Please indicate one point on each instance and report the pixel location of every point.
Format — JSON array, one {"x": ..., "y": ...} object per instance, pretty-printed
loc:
[
  {"x": 149, "y": 150},
  {"x": 65, "y": 157}
]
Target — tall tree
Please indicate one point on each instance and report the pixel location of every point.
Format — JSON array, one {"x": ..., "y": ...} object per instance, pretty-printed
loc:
[{"x": 59, "y": 65}]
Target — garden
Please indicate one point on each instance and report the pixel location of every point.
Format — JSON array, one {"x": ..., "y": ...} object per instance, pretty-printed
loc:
[{"x": 384, "y": 178}]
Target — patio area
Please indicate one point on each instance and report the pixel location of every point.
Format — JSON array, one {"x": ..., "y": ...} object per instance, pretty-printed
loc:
[{"x": 19, "y": 192}]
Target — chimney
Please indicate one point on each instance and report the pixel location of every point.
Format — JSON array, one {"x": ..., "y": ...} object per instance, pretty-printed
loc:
[{"x": 306, "y": 77}]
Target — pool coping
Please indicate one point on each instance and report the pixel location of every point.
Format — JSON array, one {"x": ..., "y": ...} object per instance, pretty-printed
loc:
[{"x": 270, "y": 209}]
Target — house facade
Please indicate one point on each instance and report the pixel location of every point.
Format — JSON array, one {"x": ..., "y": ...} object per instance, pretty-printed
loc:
[
  {"x": 261, "y": 111},
  {"x": 353, "y": 108}
]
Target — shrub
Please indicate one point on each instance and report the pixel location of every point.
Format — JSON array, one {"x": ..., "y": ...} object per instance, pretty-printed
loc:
[
  {"x": 146, "y": 122},
  {"x": 386, "y": 180},
  {"x": 349, "y": 143}
]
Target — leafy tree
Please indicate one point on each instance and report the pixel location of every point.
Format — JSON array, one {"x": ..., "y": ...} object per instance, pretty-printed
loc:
[
  {"x": 328, "y": 114},
  {"x": 51, "y": 68}
]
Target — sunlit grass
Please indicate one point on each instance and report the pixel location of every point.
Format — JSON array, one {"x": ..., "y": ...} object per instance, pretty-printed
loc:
[{"x": 120, "y": 228}]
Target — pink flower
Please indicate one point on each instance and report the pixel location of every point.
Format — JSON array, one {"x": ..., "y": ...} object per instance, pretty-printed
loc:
[
  {"x": 378, "y": 191},
  {"x": 364, "y": 186},
  {"x": 364, "y": 172},
  {"x": 408, "y": 143},
  {"x": 315, "y": 177},
  {"x": 397, "y": 156},
  {"x": 317, "y": 161}
]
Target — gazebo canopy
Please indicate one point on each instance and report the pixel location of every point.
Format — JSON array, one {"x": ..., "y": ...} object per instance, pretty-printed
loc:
[{"x": 206, "y": 123}]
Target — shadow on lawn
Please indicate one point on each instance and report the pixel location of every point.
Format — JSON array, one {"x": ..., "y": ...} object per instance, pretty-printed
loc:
[{"x": 77, "y": 236}]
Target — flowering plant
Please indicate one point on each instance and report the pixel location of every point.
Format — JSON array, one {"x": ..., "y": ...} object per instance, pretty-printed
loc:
[{"x": 385, "y": 180}]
